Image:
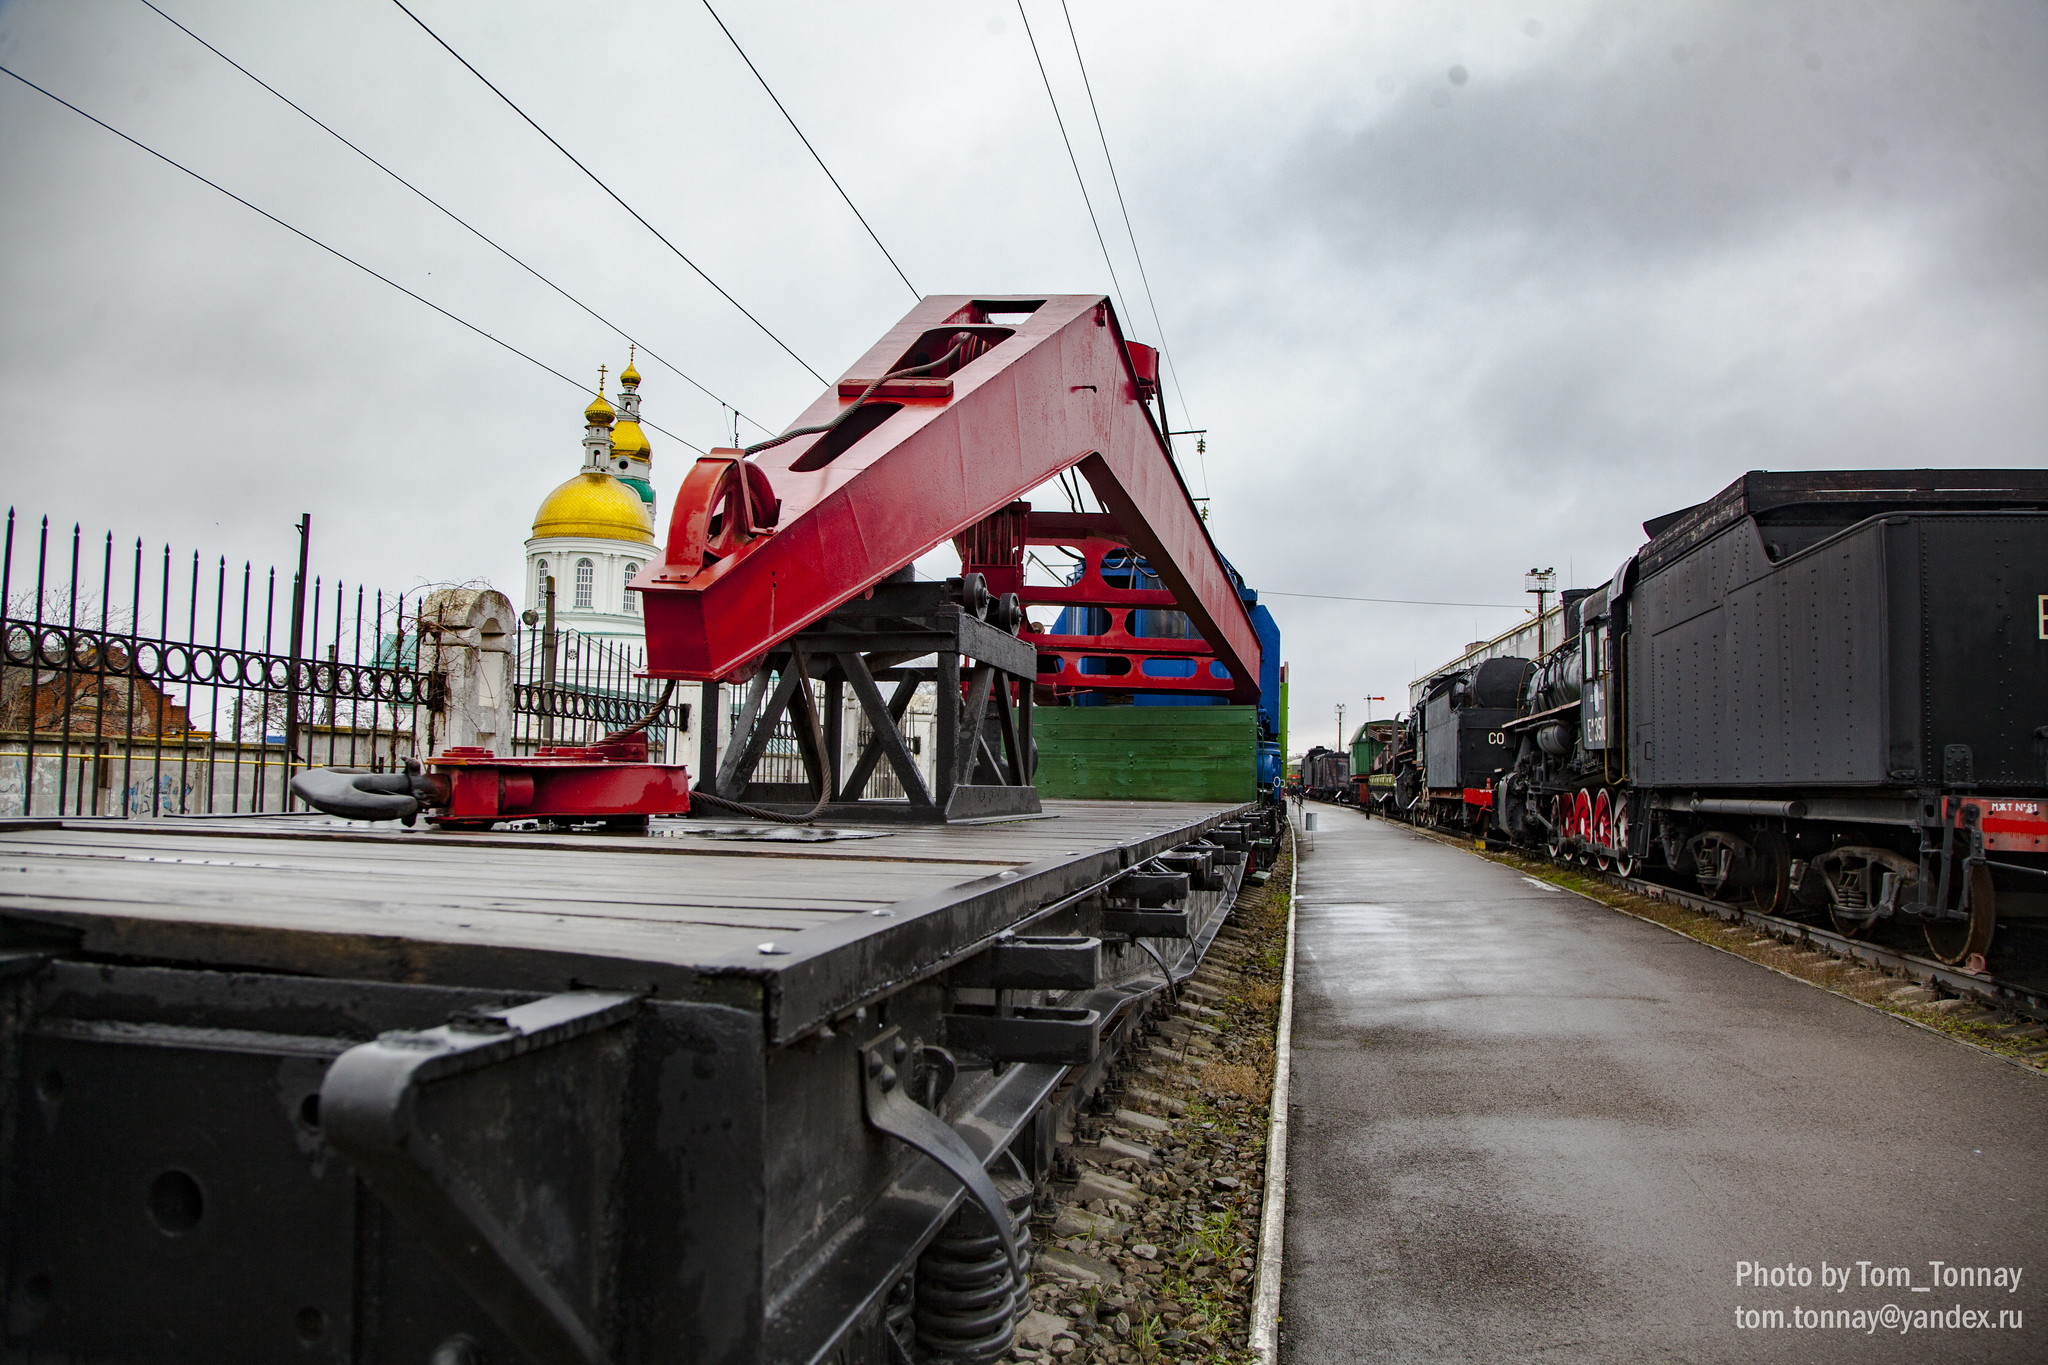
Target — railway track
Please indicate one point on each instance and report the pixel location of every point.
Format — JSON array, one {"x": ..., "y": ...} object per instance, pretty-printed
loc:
[
  {"x": 1999, "y": 993},
  {"x": 2022, "y": 999}
]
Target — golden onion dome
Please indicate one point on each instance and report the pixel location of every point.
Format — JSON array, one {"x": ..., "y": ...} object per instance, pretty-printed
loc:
[
  {"x": 630, "y": 376},
  {"x": 599, "y": 413},
  {"x": 597, "y": 505},
  {"x": 630, "y": 443}
]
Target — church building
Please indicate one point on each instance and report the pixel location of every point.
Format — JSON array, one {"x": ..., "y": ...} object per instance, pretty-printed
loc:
[{"x": 596, "y": 531}]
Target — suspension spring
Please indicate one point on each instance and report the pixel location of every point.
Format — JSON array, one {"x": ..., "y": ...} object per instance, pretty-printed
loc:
[{"x": 970, "y": 1294}]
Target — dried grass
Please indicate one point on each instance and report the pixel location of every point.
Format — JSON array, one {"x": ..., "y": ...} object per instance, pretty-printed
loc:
[
  {"x": 1260, "y": 995},
  {"x": 1235, "y": 1078}
]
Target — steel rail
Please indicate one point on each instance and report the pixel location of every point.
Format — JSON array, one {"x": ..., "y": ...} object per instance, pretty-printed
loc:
[
  {"x": 2010, "y": 996},
  {"x": 2006, "y": 995}
]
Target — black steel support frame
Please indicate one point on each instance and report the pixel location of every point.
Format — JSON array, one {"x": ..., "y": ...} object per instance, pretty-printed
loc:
[{"x": 983, "y": 756}]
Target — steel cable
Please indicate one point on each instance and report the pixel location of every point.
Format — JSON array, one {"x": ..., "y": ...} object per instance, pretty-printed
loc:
[{"x": 609, "y": 191}]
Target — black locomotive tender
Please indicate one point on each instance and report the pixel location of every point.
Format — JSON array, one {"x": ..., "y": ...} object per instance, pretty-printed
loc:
[
  {"x": 1325, "y": 775},
  {"x": 1826, "y": 691},
  {"x": 283, "y": 1091}
]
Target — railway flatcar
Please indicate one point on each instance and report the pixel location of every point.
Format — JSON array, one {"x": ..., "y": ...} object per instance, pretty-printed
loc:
[{"x": 1825, "y": 691}]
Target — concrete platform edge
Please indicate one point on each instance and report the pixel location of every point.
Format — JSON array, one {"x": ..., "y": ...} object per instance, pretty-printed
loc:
[{"x": 1265, "y": 1333}]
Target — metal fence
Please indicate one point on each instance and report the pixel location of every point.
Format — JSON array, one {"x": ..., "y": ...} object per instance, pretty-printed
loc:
[
  {"x": 570, "y": 688},
  {"x": 143, "y": 683},
  {"x": 138, "y": 682}
]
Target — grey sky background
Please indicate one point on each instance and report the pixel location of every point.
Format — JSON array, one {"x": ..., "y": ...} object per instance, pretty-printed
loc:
[{"x": 1457, "y": 288}]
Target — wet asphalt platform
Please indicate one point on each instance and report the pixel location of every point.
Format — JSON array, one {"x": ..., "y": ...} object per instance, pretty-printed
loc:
[{"x": 1526, "y": 1127}]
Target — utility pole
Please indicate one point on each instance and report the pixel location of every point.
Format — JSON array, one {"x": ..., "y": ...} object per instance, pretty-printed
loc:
[
  {"x": 1368, "y": 708},
  {"x": 1541, "y": 582},
  {"x": 1340, "y": 727}
]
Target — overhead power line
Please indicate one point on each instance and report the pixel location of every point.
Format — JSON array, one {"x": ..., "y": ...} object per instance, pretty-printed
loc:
[
  {"x": 451, "y": 215},
  {"x": 1394, "y": 601},
  {"x": 819, "y": 159},
  {"x": 610, "y": 191},
  {"x": 308, "y": 237},
  {"x": 1129, "y": 231},
  {"x": 1073, "y": 160}
]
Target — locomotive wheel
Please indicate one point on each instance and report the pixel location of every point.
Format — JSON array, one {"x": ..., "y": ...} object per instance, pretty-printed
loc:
[
  {"x": 1956, "y": 941},
  {"x": 1624, "y": 863},
  {"x": 1553, "y": 837},
  {"x": 1772, "y": 892},
  {"x": 1582, "y": 825},
  {"x": 1603, "y": 830},
  {"x": 1847, "y": 928}
]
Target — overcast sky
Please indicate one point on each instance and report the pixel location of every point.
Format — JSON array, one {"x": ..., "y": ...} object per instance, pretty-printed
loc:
[{"x": 1456, "y": 288}]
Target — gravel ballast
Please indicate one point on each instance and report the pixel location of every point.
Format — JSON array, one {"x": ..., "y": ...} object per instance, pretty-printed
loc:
[{"x": 1147, "y": 1250}]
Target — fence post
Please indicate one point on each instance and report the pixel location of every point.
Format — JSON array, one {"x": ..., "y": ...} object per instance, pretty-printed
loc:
[
  {"x": 297, "y": 645},
  {"x": 550, "y": 644},
  {"x": 466, "y": 643}
]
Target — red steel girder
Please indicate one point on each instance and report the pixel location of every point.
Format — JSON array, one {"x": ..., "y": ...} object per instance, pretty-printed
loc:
[
  {"x": 1049, "y": 385},
  {"x": 1094, "y": 536}
]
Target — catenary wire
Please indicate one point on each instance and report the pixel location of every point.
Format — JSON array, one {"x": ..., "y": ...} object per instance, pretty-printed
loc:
[
  {"x": 821, "y": 160},
  {"x": 449, "y": 213},
  {"x": 609, "y": 191},
  {"x": 308, "y": 237},
  {"x": 1393, "y": 601},
  {"x": 1129, "y": 231},
  {"x": 1072, "y": 159}
]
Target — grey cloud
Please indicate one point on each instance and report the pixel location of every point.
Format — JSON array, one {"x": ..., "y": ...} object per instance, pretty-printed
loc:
[{"x": 1637, "y": 251}]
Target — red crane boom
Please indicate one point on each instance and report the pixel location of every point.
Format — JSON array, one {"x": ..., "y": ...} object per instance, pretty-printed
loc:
[{"x": 965, "y": 406}]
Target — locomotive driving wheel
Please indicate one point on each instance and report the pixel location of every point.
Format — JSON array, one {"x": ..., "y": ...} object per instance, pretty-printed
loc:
[
  {"x": 1603, "y": 831},
  {"x": 1553, "y": 839},
  {"x": 1956, "y": 941},
  {"x": 1582, "y": 825},
  {"x": 1624, "y": 861}
]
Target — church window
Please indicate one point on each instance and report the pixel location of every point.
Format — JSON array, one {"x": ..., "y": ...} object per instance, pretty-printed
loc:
[
  {"x": 540, "y": 579},
  {"x": 632, "y": 599},
  {"x": 586, "y": 577}
]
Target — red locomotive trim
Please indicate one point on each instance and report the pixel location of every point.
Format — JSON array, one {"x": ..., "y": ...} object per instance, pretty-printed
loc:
[
  {"x": 2016, "y": 827},
  {"x": 1481, "y": 797},
  {"x": 2010, "y": 826}
]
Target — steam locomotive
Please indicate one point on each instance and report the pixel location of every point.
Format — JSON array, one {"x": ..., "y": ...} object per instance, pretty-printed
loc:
[{"x": 1825, "y": 691}]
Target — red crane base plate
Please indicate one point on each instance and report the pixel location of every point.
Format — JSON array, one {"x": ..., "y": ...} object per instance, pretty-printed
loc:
[{"x": 611, "y": 782}]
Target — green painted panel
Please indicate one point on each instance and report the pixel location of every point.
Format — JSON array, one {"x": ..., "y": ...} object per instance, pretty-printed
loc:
[{"x": 1147, "y": 753}]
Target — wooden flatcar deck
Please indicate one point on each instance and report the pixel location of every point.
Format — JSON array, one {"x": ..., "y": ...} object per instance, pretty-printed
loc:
[{"x": 805, "y": 928}]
